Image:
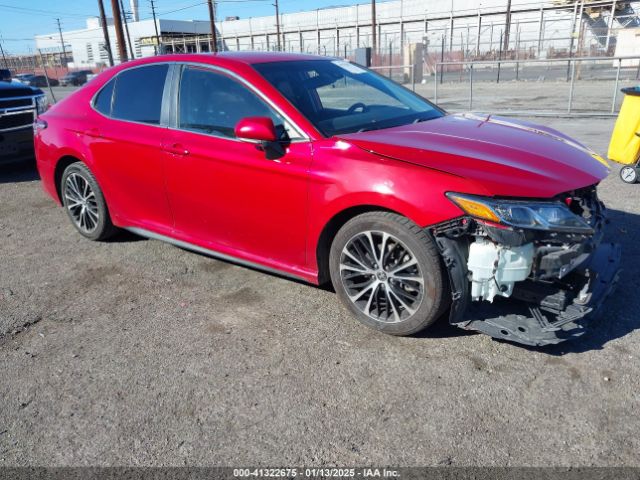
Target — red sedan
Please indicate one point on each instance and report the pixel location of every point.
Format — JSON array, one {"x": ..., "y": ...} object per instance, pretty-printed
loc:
[{"x": 319, "y": 169}]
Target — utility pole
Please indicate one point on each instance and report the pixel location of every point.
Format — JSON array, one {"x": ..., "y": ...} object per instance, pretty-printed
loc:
[
  {"x": 374, "y": 27},
  {"x": 278, "y": 24},
  {"x": 64, "y": 51},
  {"x": 507, "y": 27},
  {"x": 155, "y": 25},
  {"x": 105, "y": 31},
  {"x": 126, "y": 28},
  {"x": 212, "y": 19},
  {"x": 4, "y": 58},
  {"x": 117, "y": 23}
]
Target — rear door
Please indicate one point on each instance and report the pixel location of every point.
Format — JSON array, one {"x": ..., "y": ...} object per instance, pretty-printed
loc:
[{"x": 126, "y": 133}]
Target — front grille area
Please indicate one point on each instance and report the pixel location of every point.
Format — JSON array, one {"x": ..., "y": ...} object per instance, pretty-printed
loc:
[
  {"x": 16, "y": 120},
  {"x": 15, "y": 102}
]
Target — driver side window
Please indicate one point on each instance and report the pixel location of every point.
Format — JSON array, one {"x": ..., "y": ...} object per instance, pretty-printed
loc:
[{"x": 213, "y": 103}]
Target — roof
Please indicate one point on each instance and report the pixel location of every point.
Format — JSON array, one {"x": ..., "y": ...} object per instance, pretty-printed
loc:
[
  {"x": 237, "y": 61},
  {"x": 264, "y": 57},
  {"x": 245, "y": 57}
]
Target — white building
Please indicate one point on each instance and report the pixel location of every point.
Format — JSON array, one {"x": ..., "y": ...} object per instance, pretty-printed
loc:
[
  {"x": 458, "y": 27},
  {"x": 87, "y": 45}
]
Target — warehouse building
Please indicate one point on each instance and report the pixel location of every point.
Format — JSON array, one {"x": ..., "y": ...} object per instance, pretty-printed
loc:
[{"x": 450, "y": 29}]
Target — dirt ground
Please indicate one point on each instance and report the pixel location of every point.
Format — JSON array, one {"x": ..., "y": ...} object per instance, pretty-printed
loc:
[{"x": 134, "y": 352}]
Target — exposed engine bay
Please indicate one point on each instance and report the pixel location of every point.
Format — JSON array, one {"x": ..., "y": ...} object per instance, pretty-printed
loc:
[{"x": 535, "y": 286}]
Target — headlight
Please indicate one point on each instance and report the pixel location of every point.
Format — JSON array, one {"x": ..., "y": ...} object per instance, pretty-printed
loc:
[
  {"x": 522, "y": 214},
  {"x": 42, "y": 103}
]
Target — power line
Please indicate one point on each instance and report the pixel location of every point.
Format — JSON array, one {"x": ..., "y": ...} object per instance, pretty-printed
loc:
[{"x": 38, "y": 11}]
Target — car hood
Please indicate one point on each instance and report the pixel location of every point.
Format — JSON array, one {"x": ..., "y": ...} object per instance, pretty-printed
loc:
[
  {"x": 16, "y": 89},
  {"x": 503, "y": 157}
]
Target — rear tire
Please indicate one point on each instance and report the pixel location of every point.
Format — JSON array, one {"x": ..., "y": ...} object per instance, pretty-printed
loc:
[
  {"x": 388, "y": 272},
  {"x": 85, "y": 204}
]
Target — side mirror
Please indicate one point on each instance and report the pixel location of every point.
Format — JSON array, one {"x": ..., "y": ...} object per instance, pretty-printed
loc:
[{"x": 256, "y": 129}]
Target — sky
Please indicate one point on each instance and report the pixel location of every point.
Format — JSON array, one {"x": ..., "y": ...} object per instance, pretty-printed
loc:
[{"x": 20, "y": 20}]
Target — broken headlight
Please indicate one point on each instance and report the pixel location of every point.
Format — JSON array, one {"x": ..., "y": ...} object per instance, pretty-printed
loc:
[{"x": 549, "y": 215}]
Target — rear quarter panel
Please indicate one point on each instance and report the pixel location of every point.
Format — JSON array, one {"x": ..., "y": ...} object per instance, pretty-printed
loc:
[{"x": 64, "y": 136}]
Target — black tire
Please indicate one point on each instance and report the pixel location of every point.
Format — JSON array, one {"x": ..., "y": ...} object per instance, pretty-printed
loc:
[
  {"x": 102, "y": 228},
  {"x": 405, "y": 234},
  {"x": 629, "y": 174}
]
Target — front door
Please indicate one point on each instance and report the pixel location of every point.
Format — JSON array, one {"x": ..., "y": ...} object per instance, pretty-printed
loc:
[{"x": 225, "y": 193}]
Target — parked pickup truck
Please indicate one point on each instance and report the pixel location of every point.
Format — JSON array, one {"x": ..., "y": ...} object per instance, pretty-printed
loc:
[{"x": 20, "y": 104}]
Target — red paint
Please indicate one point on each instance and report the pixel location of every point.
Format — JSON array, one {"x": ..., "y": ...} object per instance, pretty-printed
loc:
[
  {"x": 225, "y": 195},
  {"x": 256, "y": 128}
]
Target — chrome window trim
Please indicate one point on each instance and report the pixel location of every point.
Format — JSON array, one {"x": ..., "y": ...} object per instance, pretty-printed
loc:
[
  {"x": 302, "y": 138},
  {"x": 303, "y": 135}
]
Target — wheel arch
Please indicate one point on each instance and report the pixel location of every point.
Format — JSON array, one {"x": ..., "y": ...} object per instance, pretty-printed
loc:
[
  {"x": 62, "y": 163},
  {"x": 330, "y": 229}
]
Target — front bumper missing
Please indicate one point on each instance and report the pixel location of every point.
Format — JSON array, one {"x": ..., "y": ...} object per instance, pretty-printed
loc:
[{"x": 529, "y": 316}]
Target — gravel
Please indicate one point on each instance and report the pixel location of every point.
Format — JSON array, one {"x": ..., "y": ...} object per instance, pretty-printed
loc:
[{"x": 134, "y": 352}]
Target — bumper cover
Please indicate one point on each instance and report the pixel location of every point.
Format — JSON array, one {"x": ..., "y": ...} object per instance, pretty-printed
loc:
[{"x": 530, "y": 323}]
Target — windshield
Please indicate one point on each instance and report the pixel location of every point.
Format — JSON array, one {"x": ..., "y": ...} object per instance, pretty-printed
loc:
[{"x": 340, "y": 97}]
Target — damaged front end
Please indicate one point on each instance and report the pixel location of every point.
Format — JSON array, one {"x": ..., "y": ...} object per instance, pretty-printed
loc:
[{"x": 533, "y": 272}]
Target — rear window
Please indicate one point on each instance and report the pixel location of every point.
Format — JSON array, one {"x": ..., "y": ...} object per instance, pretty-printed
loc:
[
  {"x": 102, "y": 102},
  {"x": 137, "y": 95}
]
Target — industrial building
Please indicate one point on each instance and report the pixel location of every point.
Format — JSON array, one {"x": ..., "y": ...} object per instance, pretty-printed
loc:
[{"x": 446, "y": 30}]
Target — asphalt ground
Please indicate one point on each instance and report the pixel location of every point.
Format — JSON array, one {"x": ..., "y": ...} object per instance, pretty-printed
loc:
[{"x": 135, "y": 352}]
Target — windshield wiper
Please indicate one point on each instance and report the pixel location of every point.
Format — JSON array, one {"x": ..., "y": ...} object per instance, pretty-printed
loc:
[
  {"x": 423, "y": 119},
  {"x": 366, "y": 129}
]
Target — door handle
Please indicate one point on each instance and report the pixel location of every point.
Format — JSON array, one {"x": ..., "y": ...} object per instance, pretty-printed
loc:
[{"x": 176, "y": 149}]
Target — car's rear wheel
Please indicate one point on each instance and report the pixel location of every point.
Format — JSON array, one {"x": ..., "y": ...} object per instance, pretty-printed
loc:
[
  {"x": 84, "y": 203},
  {"x": 388, "y": 272}
]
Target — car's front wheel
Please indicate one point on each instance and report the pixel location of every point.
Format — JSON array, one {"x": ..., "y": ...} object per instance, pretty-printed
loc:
[
  {"x": 388, "y": 272},
  {"x": 84, "y": 203}
]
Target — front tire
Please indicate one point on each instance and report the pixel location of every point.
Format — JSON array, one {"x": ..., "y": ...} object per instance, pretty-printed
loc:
[
  {"x": 388, "y": 272},
  {"x": 84, "y": 203}
]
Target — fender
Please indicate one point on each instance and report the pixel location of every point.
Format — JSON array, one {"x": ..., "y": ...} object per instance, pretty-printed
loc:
[{"x": 358, "y": 178}]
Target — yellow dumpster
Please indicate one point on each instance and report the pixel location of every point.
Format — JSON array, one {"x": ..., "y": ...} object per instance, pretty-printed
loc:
[{"x": 625, "y": 141}]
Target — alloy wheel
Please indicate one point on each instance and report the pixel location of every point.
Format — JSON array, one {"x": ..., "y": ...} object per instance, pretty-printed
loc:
[
  {"x": 381, "y": 276},
  {"x": 80, "y": 200}
]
